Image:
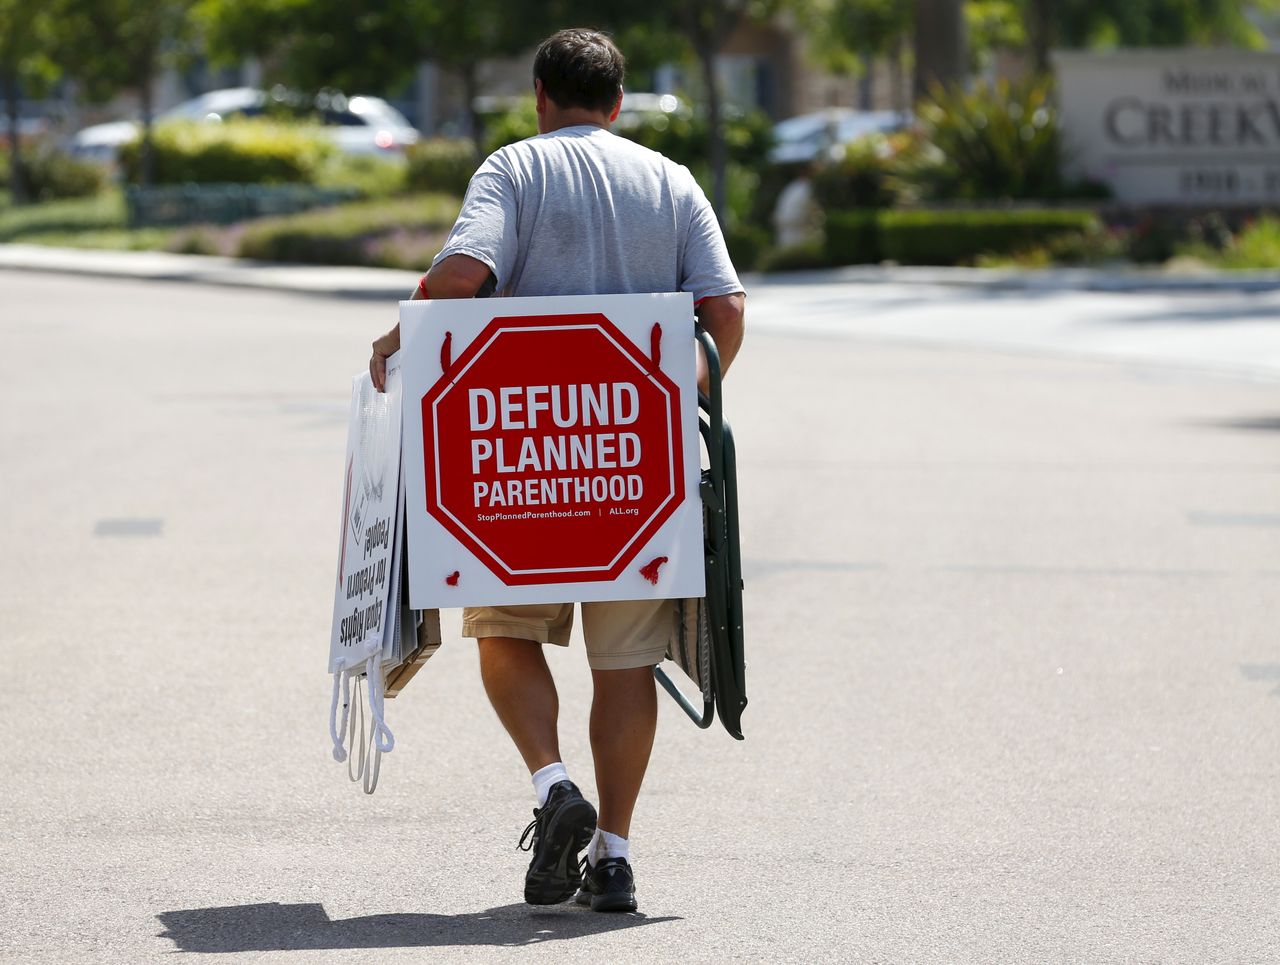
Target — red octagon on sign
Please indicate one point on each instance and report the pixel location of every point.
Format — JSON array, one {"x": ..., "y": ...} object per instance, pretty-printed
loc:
[{"x": 553, "y": 449}]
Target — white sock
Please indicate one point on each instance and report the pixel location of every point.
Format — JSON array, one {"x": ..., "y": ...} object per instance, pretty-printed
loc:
[
  {"x": 606, "y": 845},
  {"x": 545, "y": 778}
]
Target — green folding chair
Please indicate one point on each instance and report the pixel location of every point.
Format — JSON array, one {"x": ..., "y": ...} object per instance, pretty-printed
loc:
[{"x": 709, "y": 645}]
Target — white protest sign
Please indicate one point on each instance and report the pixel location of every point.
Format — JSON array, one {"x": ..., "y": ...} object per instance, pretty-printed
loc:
[
  {"x": 368, "y": 553},
  {"x": 551, "y": 450}
]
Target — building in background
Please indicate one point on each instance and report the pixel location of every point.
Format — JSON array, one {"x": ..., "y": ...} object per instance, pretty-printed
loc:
[{"x": 764, "y": 66}]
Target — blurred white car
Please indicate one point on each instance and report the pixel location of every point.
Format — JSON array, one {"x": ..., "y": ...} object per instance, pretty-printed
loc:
[
  {"x": 365, "y": 125},
  {"x": 637, "y": 107},
  {"x": 357, "y": 125},
  {"x": 812, "y": 137}
]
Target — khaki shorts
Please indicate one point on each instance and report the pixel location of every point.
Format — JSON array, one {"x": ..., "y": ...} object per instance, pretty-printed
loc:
[{"x": 620, "y": 635}]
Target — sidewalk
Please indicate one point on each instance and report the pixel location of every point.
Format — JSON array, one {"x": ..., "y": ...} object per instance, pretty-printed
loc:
[{"x": 383, "y": 283}]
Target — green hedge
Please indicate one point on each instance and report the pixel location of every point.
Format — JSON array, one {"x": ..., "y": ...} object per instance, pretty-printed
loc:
[
  {"x": 806, "y": 256},
  {"x": 957, "y": 237},
  {"x": 951, "y": 237},
  {"x": 400, "y": 232},
  {"x": 746, "y": 243},
  {"x": 251, "y": 151},
  {"x": 442, "y": 164},
  {"x": 187, "y": 204},
  {"x": 852, "y": 237},
  {"x": 365, "y": 175}
]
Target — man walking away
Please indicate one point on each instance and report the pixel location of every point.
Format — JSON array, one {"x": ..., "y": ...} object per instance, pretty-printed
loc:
[{"x": 577, "y": 210}]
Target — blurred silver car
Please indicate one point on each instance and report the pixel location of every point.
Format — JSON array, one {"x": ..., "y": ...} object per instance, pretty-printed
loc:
[{"x": 357, "y": 125}]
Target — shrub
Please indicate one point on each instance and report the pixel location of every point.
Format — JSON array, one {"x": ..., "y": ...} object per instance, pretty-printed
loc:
[
  {"x": 1152, "y": 239},
  {"x": 442, "y": 164},
  {"x": 250, "y": 151},
  {"x": 74, "y": 216},
  {"x": 808, "y": 255},
  {"x": 686, "y": 139},
  {"x": 771, "y": 181},
  {"x": 746, "y": 243},
  {"x": 959, "y": 237},
  {"x": 52, "y": 175},
  {"x": 742, "y": 185},
  {"x": 995, "y": 142},
  {"x": 1094, "y": 245},
  {"x": 195, "y": 241},
  {"x": 350, "y": 234},
  {"x": 861, "y": 178},
  {"x": 367, "y": 175},
  {"x": 851, "y": 238},
  {"x": 510, "y": 125},
  {"x": 1257, "y": 246},
  {"x": 1154, "y": 236}
]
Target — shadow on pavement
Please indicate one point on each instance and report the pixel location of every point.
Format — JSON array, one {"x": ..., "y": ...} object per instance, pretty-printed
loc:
[
  {"x": 1269, "y": 672},
  {"x": 271, "y": 927},
  {"x": 1262, "y": 423},
  {"x": 1264, "y": 313}
]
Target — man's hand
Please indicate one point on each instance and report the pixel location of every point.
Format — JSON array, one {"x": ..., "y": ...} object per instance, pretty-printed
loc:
[
  {"x": 458, "y": 276},
  {"x": 383, "y": 348}
]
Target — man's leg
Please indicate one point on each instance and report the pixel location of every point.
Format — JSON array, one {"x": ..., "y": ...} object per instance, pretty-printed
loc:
[
  {"x": 624, "y": 719},
  {"x": 523, "y": 693},
  {"x": 624, "y": 642}
]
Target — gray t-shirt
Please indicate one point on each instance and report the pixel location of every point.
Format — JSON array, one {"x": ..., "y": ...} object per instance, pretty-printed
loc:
[{"x": 581, "y": 211}]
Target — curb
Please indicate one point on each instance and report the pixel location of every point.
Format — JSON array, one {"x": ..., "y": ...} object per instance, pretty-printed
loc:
[
  {"x": 1039, "y": 279},
  {"x": 379, "y": 284},
  {"x": 391, "y": 284}
]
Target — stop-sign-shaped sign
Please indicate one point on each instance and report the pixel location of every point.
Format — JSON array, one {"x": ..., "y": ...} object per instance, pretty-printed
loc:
[{"x": 552, "y": 449}]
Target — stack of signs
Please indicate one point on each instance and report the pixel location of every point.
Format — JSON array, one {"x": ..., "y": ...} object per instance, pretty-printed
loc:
[
  {"x": 374, "y": 634},
  {"x": 551, "y": 453}
]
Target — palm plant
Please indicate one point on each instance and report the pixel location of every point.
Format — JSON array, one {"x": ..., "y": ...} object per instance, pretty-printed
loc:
[{"x": 992, "y": 143}]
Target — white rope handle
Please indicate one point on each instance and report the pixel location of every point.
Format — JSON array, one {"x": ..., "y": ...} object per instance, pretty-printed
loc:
[
  {"x": 337, "y": 732},
  {"x": 375, "y": 766},
  {"x": 357, "y": 772},
  {"x": 383, "y": 738},
  {"x": 364, "y": 757}
]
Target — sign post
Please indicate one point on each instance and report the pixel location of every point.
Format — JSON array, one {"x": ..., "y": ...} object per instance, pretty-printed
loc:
[{"x": 551, "y": 450}]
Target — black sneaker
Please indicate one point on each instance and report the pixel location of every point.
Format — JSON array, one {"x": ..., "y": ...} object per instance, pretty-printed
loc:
[
  {"x": 608, "y": 886},
  {"x": 560, "y": 829}
]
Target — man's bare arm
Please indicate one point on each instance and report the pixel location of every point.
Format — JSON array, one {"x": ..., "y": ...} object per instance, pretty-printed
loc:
[
  {"x": 722, "y": 316},
  {"x": 458, "y": 276}
]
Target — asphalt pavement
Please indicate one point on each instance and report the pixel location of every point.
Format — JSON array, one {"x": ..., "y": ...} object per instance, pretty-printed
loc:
[{"x": 1012, "y": 598}]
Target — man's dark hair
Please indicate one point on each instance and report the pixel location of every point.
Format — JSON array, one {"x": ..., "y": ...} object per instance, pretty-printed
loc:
[{"x": 580, "y": 68}]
